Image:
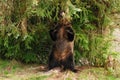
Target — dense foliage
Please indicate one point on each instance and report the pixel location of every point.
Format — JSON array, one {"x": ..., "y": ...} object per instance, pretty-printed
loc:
[{"x": 24, "y": 26}]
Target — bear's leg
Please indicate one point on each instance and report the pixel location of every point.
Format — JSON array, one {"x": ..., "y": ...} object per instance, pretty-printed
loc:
[
  {"x": 69, "y": 63},
  {"x": 52, "y": 62}
]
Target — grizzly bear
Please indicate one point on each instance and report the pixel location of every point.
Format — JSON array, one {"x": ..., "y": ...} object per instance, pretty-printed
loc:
[{"x": 62, "y": 50}]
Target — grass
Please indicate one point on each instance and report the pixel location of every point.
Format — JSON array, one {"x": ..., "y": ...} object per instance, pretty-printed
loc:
[
  {"x": 13, "y": 70},
  {"x": 44, "y": 77},
  {"x": 96, "y": 74}
]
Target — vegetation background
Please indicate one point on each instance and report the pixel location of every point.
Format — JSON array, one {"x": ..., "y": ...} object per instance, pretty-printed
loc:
[{"x": 24, "y": 26}]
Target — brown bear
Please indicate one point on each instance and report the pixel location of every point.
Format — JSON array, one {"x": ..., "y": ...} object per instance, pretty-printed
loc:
[{"x": 62, "y": 50}]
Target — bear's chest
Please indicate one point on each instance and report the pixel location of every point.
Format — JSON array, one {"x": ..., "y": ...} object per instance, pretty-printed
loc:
[
  {"x": 62, "y": 45},
  {"x": 63, "y": 49},
  {"x": 61, "y": 33}
]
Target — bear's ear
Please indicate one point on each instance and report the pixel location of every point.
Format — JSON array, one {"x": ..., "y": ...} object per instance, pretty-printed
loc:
[{"x": 70, "y": 33}]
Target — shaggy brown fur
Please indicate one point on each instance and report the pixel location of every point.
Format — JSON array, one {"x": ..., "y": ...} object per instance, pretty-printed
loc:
[{"x": 62, "y": 50}]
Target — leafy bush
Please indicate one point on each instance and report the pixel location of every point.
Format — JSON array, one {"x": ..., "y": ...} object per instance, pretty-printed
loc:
[{"x": 25, "y": 35}]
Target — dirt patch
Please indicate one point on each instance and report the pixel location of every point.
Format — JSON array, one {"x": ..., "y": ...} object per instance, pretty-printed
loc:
[
  {"x": 116, "y": 33},
  {"x": 116, "y": 40}
]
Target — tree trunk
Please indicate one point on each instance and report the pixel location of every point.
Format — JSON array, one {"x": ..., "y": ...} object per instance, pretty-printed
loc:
[
  {"x": 19, "y": 14},
  {"x": 24, "y": 26},
  {"x": 2, "y": 15}
]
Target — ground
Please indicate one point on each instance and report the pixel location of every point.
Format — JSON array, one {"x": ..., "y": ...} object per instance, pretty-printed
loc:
[{"x": 14, "y": 70}]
